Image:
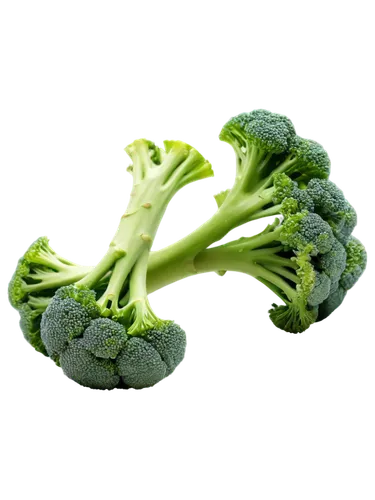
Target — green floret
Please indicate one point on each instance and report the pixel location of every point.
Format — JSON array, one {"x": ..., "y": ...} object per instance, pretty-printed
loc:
[
  {"x": 332, "y": 205},
  {"x": 66, "y": 317},
  {"x": 104, "y": 338},
  {"x": 333, "y": 262},
  {"x": 140, "y": 364},
  {"x": 327, "y": 197},
  {"x": 170, "y": 341},
  {"x": 306, "y": 158},
  {"x": 307, "y": 230},
  {"x": 84, "y": 368},
  {"x": 321, "y": 289},
  {"x": 356, "y": 261}
]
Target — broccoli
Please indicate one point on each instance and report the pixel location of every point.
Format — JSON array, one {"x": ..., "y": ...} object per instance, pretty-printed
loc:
[
  {"x": 91, "y": 335},
  {"x": 273, "y": 165},
  {"x": 356, "y": 261},
  {"x": 97, "y": 322}
]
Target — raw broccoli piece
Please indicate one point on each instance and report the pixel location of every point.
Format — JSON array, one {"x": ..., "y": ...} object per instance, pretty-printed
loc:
[
  {"x": 273, "y": 165},
  {"x": 102, "y": 323},
  {"x": 356, "y": 260},
  {"x": 67, "y": 316}
]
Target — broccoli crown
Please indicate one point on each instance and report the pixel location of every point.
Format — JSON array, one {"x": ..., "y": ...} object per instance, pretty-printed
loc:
[
  {"x": 268, "y": 131},
  {"x": 311, "y": 159},
  {"x": 327, "y": 197},
  {"x": 66, "y": 317},
  {"x": 333, "y": 262},
  {"x": 283, "y": 188},
  {"x": 139, "y": 364},
  {"x": 169, "y": 340},
  {"x": 356, "y": 261},
  {"x": 321, "y": 289},
  {"x": 83, "y": 367},
  {"x": 306, "y": 231},
  {"x": 104, "y": 338},
  {"x": 292, "y": 199}
]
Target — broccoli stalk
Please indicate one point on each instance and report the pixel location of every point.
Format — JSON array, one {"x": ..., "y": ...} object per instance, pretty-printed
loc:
[
  {"x": 97, "y": 338},
  {"x": 157, "y": 176}
]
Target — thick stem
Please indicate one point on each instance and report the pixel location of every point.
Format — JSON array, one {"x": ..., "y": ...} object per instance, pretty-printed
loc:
[{"x": 235, "y": 210}]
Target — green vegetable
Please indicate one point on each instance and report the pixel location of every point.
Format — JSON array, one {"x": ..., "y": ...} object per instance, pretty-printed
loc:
[
  {"x": 97, "y": 322},
  {"x": 90, "y": 335}
]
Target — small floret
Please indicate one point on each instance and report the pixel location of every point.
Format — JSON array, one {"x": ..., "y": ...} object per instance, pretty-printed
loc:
[
  {"x": 104, "y": 338},
  {"x": 321, "y": 289},
  {"x": 356, "y": 261},
  {"x": 307, "y": 230},
  {"x": 139, "y": 364},
  {"x": 169, "y": 340},
  {"x": 86, "y": 369},
  {"x": 66, "y": 317}
]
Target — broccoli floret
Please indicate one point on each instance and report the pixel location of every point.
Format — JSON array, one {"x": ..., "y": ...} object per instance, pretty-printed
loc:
[
  {"x": 66, "y": 317},
  {"x": 104, "y": 338},
  {"x": 333, "y": 263},
  {"x": 139, "y": 364},
  {"x": 86, "y": 369},
  {"x": 170, "y": 341},
  {"x": 356, "y": 261},
  {"x": 332, "y": 205},
  {"x": 98, "y": 321},
  {"x": 321, "y": 290}
]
